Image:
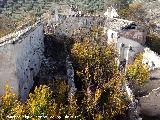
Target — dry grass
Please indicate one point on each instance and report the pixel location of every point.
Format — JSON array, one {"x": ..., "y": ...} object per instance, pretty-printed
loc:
[
  {"x": 8, "y": 25},
  {"x": 4, "y": 32}
]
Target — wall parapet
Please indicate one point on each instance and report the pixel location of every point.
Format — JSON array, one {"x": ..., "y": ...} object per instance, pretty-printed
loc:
[{"x": 16, "y": 36}]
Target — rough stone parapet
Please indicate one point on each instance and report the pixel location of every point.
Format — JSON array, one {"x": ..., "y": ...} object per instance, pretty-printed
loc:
[{"x": 18, "y": 35}]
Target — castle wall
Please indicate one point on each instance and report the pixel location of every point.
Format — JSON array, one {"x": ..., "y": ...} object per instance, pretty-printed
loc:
[{"x": 20, "y": 61}]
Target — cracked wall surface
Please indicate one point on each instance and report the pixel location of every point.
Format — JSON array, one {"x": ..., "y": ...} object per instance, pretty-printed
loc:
[{"x": 20, "y": 60}]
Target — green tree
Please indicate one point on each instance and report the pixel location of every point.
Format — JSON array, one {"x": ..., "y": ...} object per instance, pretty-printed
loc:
[
  {"x": 138, "y": 73},
  {"x": 97, "y": 73},
  {"x": 40, "y": 102},
  {"x": 9, "y": 101}
]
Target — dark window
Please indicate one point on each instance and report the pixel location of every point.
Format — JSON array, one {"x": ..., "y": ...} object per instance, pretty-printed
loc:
[
  {"x": 13, "y": 42},
  {"x": 130, "y": 48},
  {"x": 31, "y": 69},
  {"x": 122, "y": 45},
  {"x": 112, "y": 35}
]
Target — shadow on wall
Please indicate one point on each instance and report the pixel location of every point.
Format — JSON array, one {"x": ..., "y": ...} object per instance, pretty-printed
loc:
[{"x": 54, "y": 64}]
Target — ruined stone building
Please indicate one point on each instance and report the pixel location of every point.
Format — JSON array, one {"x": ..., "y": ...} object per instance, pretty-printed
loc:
[
  {"x": 127, "y": 35},
  {"x": 20, "y": 59},
  {"x": 129, "y": 39}
]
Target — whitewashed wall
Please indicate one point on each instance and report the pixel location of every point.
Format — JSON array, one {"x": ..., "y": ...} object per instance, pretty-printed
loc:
[
  {"x": 151, "y": 57},
  {"x": 115, "y": 36},
  {"x": 8, "y": 68},
  {"x": 20, "y": 61},
  {"x": 136, "y": 47}
]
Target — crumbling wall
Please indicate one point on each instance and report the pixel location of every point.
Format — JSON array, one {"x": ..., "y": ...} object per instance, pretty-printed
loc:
[
  {"x": 150, "y": 103},
  {"x": 8, "y": 68},
  {"x": 20, "y": 60},
  {"x": 134, "y": 47},
  {"x": 71, "y": 24},
  {"x": 134, "y": 34}
]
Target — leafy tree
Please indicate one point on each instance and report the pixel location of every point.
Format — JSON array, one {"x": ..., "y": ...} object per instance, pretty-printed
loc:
[
  {"x": 40, "y": 103},
  {"x": 9, "y": 101},
  {"x": 96, "y": 69},
  {"x": 138, "y": 73}
]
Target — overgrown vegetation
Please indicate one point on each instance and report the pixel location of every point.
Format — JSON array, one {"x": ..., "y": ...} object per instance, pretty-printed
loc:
[
  {"x": 133, "y": 11},
  {"x": 153, "y": 42},
  {"x": 137, "y": 72},
  {"x": 99, "y": 87},
  {"x": 8, "y": 25}
]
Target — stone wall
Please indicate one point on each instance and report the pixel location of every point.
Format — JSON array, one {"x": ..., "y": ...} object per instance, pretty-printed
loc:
[
  {"x": 128, "y": 44},
  {"x": 73, "y": 23},
  {"x": 70, "y": 24},
  {"x": 150, "y": 103},
  {"x": 151, "y": 58},
  {"x": 20, "y": 59}
]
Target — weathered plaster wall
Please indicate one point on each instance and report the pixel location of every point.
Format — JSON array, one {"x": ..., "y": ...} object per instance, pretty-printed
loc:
[
  {"x": 20, "y": 61},
  {"x": 151, "y": 57},
  {"x": 134, "y": 34},
  {"x": 134, "y": 38},
  {"x": 8, "y": 68},
  {"x": 112, "y": 36},
  {"x": 136, "y": 47}
]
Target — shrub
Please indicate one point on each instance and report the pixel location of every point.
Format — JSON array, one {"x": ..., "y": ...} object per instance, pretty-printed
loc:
[
  {"x": 138, "y": 72},
  {"x": 153, "y": 42},
  {"x": 9, "y": 101}
]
